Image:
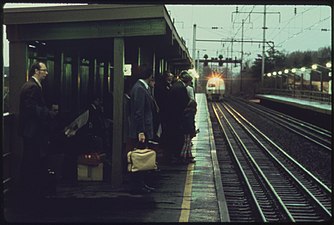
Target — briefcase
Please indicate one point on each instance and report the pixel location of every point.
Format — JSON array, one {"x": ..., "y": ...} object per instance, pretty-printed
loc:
[{"x": 142, "y": 160}]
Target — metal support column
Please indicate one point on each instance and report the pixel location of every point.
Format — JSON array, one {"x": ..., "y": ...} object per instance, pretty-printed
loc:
[
  {"x": 18, "y": 75},
  {"x": 116, "y": 162}
]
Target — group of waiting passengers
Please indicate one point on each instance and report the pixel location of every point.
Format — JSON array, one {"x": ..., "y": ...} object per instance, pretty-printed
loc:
[{"x": 161, "y": 109}]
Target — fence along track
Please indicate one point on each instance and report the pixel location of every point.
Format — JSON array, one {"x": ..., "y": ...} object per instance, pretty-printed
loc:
[{"x": 304, "y": 200}]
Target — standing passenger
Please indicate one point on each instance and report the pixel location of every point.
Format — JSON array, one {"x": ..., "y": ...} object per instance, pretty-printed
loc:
[
  {"x": 188, "y": 123},
  {"x": 141, "y": 120},
  {"x": 156, "y": 111},
  {"x": 188, "y": 127},
  {"x": 161, "y": 92},
  {"x": 190, "y": 90},
  {"x": 179, "y": 100},
  {"x": 34, "y": 118}
]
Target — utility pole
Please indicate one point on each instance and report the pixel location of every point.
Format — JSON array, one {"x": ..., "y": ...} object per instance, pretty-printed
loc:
[
  {"x": 263, "y": 43},
  {"x": 264, "y": 33},
  {"x": 194, "y": 43},
  {"x": 242, "y": 52},
  {"x": 231, "y": 68}
]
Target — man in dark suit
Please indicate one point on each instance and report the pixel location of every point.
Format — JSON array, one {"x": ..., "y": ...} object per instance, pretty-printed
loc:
[
  {"x": 141, "y": 105},
  {"x": 33, "y": 128},
  {"x": 141, "y": 118},
  {"x": 178, "y": 100}
]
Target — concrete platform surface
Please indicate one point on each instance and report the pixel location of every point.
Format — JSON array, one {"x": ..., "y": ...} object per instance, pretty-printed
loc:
[{"x": 184, "y": 192}]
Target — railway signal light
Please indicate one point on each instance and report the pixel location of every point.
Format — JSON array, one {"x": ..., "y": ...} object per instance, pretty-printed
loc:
[
  {"x": 206, "y": 59},
  {"x": 220, "y": 60}
]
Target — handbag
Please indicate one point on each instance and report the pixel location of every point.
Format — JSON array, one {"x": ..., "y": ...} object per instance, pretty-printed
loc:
[{"x": 142, "y": 160}]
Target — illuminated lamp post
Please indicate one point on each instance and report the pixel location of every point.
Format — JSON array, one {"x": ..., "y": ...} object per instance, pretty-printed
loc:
[
  {"x": 315, "y": 67},
  {"x": 330, "y": 83},
  {"x": 280, "y": 73},
  {"x": 275, "y": 75},
  {"x": 303, "y": 69},
  {"x": 294, "y": 70},
  {"x": 329, "y": 65},
  {"x": 269, "y": 75},
  {"x": 286, "y": 71}
]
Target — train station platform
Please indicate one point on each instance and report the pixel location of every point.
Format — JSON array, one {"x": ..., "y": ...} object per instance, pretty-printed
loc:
[
  {"x": 302, "y": 103},
  {"x": 314, "y": 112},
  {"x": 184, "y": 192}
]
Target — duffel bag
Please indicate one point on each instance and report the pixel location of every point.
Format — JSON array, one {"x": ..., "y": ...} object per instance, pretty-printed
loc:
[{"x": 142, "y": 160}]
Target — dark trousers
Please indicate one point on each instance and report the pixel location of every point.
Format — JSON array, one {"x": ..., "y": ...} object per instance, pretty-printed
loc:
[
  {"x": 33, "y": 171},
  {"x": 173, "y": 138}
]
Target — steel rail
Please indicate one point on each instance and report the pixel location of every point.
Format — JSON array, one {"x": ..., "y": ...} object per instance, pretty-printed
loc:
[
  {"x": 298, "y": 127},
  {"x": 259, "y": 170},
  {"x": 287, "y": 171},
  {"x": 248, "y": 186},
  {"x": 285, "y": 153}
]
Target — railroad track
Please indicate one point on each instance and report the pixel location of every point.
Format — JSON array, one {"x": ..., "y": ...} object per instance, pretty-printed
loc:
[
  {"x": 312, "y": 133},
  {"x": 263, "y": 183}
]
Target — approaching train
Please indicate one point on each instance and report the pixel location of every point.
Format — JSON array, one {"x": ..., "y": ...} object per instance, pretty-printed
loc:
[{"x": 215, "y": 87}]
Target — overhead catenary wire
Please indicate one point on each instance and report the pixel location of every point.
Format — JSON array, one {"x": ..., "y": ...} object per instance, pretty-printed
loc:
[
  {"x": 291, "y": 19},
  {"x": 303, "y": 30}
]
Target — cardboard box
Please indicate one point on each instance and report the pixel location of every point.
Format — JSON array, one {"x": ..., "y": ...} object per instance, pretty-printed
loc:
[{"x": 90, "y": 173}]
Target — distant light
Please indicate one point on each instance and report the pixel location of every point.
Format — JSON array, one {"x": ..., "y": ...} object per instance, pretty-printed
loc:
[{"x": 329, "y": 65}]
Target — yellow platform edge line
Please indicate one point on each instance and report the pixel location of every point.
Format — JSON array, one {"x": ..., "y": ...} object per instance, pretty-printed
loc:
[{"x": 186, "y": 199}]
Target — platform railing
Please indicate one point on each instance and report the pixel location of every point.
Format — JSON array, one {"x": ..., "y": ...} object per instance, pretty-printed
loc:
[{"x": 316, "y": 96}]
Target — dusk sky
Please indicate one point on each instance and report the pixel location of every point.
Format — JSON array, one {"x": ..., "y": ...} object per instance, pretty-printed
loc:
[{"x": 291, "y": 28}]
